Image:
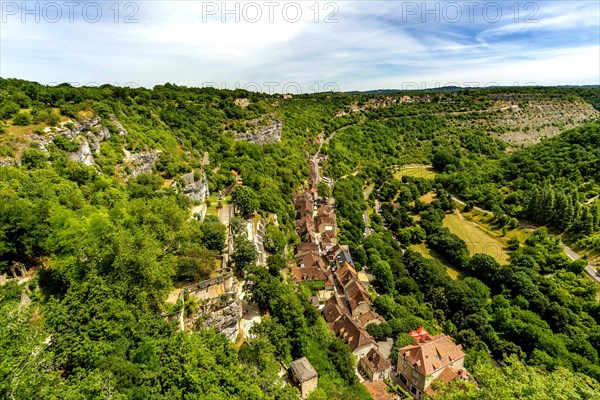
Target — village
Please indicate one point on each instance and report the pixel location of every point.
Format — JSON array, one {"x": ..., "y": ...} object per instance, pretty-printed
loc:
[{"x": 347, "y": 306}]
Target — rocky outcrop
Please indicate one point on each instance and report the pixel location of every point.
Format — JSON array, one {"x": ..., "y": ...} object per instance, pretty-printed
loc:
[
  {"x": 84, "y": 154},
  {"x": 224, "y": 319},
  {"x": 195, "y": 189},
  {"x": 89, "y": 132},
  {"x": 7, "y": 161},
  {"x": 122, "y": 131},
  {"x": 140, "y": 163},
  {"x": 263, "y": 135}
]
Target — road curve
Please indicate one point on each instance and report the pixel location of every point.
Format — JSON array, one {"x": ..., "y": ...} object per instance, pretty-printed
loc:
[{"x": 591, "y": 272}]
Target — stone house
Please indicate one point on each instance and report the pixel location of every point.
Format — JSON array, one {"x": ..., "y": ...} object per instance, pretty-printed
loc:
[
  {"x": 328, "y": 239},
  {"x": 375, "y": 365},
  {"x": 427, "y": 359},
  {"x": 304, "y": 375},
  {"x": 303, "y": 204},
  {"x": 354, "y": 334}
]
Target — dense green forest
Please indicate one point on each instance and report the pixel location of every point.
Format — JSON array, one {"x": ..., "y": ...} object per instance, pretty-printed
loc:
[{"x": 109, "y": 246}]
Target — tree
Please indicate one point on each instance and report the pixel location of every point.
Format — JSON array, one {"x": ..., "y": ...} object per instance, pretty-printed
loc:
[
  {"x": 513, "y": 243},
  {"x": 276, "y": 263},
  {"x": 213, "y": 233},
  {"x": 195, "y": 263},
  {"x": 384, "y": 276},
  {"x": 274, "y": 240},
  {"x": 323, "y": 190},
  {"x": 244, "y": 253},
  {"x": 33, "y": 158},
  {"x": 245, "y": 199}
]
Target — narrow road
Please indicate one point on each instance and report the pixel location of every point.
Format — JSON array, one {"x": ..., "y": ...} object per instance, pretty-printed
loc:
[
  {"x": 366, "y": 194},
  {"x": 591, "y": 272}
]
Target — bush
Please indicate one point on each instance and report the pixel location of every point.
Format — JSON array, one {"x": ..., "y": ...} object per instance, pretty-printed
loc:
[
  {"x": 66, "y": 144},
  {"x": 33, "y": 158},
  {"x": 22, "y": 119}
]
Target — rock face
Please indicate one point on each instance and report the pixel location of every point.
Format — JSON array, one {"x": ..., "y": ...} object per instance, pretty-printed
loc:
[
  {"x": 224, "y": 317},
  {"x": 84, "y": 154},
  {"x": 219, "y": 305},
  {"x": 89, "y": 132},
  {"x": 140, "y": 163},
  {"x": 195, "y": 189},
  {"x": 264, "y": 135}
]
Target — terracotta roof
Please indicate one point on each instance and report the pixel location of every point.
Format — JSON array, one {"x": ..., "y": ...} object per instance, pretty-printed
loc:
[
  {"x": 378, "y": 390},
  {"x": 303, "y": 204},
  {"x": 356, "y": 294},
  {"x": 312, "y": 253},
  {"x": 325, "y": 221},
  {"x": 370, "y": 317},
  {"x": 351, "y": 333},
  {"x": 375, "y": 361},
  {"x": 324, "y": 209},
  {"x": 312, "y": 260},
  {"x": 433, "y": 354},
  {"x": 306, "y": 248},
  {"x": 448, "y": 375},
  {"x": 303, "y": 370},
  {"x": 420, "y": 335},
  {"x": 308, "y": 274},
  {"x": 345, "y": 273},
  {"x": 332, "y": 311},
  {"x": 329, "y": 234}
]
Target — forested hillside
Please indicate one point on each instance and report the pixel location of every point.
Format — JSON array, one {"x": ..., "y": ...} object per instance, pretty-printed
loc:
[{"x": 94, "y": 208}]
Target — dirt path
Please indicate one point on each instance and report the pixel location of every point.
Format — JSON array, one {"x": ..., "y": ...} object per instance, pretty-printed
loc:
[{"x": 250, "y": 313}]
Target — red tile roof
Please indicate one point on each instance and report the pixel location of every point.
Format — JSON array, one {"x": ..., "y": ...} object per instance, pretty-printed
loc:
[
  {"x": 356, "y": 294},
  {"x": 308, "y": 274},
  {"x": 420, "y": 335},
  {"x": 351, "y": 333},
  {"x": 378, "y": 390},
  {"x": 370, "y": 317},
  {"x": 449, "y": 374},
  {"x": 433, "y": 354},
  {"x": 375, "y": 361}
]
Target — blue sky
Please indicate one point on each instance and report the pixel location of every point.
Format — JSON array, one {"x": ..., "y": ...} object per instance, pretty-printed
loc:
[{"x": 292, "y": 46}]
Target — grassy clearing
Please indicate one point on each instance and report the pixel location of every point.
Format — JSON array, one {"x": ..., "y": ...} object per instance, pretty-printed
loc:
[
  {"x": 419, "y": 171},
  {"x": 477, "y": 237},
  {"x": 485, "y": 222},
  {"x": 427, "y": 252},
  {"x": 428, "y": 197},
  {"x": 214, "y": 202}
]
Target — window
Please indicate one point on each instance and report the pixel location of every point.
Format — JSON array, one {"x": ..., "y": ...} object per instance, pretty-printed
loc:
[
  {"x": 403, "y": 379},
  {"x": 413, "y": 390}
]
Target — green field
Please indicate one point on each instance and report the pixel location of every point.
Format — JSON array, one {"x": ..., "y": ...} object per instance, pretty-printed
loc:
[
  {"x": 418, "y": 171},
  {"x": 427, "y": 252},
  {"x": 477, "y": 237}
]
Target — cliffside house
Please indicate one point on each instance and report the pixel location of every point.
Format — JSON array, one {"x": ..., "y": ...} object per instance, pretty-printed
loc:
[
  {"x": 354, "y": 335},
  {"x": 304, "y": 205},
  {"x": 375, "y": 366},
  {"x": 328, "y": 239},
  {"x": 304, "y": 375},
  {"x": 303, "y": 249},
  {"x": 427, "y": 359}
]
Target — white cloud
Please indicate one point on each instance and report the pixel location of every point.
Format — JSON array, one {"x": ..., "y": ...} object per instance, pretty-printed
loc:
[{"x": 370, "y": 47}]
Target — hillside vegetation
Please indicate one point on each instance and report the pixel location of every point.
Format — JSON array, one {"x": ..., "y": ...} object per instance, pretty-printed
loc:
[{"x": 93, "y": 207}]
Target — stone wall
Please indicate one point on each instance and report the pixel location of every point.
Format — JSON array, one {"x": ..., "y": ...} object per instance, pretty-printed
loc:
[{"x": 220, "y": 306}]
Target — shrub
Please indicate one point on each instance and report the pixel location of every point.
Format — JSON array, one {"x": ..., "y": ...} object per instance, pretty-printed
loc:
[{"x": 22, "y": 119}]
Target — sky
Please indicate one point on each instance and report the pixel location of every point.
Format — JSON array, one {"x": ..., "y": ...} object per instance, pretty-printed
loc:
[{"x": 303, "y": 46}]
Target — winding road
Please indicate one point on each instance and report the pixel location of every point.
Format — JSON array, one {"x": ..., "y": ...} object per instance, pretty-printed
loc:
[{"x": 591, "y": 272}]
